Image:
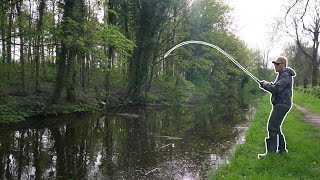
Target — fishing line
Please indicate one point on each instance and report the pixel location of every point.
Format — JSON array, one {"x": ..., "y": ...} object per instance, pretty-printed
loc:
[{"x": 220, "y": 50}]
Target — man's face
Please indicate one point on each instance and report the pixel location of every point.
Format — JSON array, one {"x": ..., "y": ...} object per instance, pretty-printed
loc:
[{"x": 278, "y": 67}]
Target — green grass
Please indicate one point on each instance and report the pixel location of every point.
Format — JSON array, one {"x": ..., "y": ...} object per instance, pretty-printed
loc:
[
  {"x": 310, "y": 102},
  {"x": 303, "y": 144}
]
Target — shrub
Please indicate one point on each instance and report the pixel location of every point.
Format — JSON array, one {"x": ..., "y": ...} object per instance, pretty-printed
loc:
[
  {"x": 316, "y": 91},
  {"x": 171, "y": 91}
]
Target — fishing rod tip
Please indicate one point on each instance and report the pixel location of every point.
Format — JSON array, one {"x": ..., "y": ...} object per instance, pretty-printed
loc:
[{"x": 166, "y": 55}]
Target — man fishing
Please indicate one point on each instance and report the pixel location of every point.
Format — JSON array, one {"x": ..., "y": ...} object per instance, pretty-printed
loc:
[{"x": 281, "y": 100}]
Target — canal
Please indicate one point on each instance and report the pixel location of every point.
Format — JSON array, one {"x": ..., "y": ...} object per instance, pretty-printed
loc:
[{"x": 130, "y": 143}]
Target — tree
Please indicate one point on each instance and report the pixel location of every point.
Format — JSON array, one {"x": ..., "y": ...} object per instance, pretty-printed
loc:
[
  {"x": 111, "y": 20},
  {"x": 38, "y": 42},
  {"x": 208, "y": 21},
  {"x": 260, "y": 62},
  {"x": 304, "y": 17},
  {"x": 9, "y": 35},
  {"x": 22, "y": 59},
  {"x": 85, "y": 39},
  {"x": 72, "y": 19},
  {"x": 299, "y": 63},
  {"x": 3, "y": 19},
  {"x": 151, "y": 14},
  {"x": 120, "y": 45}
]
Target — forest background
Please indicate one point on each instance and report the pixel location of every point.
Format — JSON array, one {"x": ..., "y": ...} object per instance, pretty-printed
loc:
[{"x": 76, "y": 55}]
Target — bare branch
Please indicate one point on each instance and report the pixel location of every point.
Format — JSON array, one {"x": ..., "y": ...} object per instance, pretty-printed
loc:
[
  {"x": 304, "y": 27},
  {"x": 299, "y": 42},
  {"x": 290, "y": 8},
  {"x": 305, "y": 9}
]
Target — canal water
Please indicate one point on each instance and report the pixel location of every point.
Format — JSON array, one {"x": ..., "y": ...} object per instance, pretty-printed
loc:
[{"x": 131, "y": 143}]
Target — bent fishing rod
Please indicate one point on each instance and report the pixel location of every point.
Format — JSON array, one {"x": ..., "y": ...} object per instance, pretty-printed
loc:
[{"x": 220, "y": 50}]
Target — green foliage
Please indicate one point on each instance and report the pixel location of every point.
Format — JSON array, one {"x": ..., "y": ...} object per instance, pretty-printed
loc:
[
  {"x": 300, "y": 63},
  {"x": 118, "y": 78},
  {"x": 69, "y": 33},
  {"x": 9, "y": 78},
  {"x": 87, "y": 102},
  {"x": 200, "y": 95},
  {"x": 168, "y": 91},
  {"x": 184, "y": 78},
  {"x": 111, "y": 35},
  {"x": 251, "y": 91},
  {"x": 302, "y": 161},
  {"x": 15, "y": 109},
  {"x": 196, "y": 61},
  {"x": 208, "y": 15},
  {"x": 316, "y": 91}
]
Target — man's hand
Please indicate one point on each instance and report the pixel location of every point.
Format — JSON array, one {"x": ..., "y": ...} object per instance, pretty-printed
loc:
[{"x": 263, "y": 83}]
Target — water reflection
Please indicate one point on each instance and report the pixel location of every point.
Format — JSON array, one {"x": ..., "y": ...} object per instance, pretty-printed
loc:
[{"x": 185, "y": 143}]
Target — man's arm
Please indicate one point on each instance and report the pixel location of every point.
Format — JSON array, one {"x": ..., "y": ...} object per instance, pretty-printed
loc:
[{"x": 278, "y": 86}]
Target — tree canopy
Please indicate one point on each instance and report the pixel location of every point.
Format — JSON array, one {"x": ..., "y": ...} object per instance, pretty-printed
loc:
[{"x": 114, "y": 49}]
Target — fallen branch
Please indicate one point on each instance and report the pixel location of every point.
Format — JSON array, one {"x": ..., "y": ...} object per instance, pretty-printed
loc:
[
  {"x": 152, "y": 171},
  {"x": 168, "y": 137},
  {"x": 165, "y": 146}
]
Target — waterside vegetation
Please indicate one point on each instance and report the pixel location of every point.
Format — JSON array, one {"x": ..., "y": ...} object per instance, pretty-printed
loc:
[
  {"x": 69, "y": 56},
  {"x": 303, "y": 144}
]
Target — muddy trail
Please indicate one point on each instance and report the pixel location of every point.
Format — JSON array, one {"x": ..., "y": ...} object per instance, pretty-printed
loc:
[{"x": 310, "y": 117}]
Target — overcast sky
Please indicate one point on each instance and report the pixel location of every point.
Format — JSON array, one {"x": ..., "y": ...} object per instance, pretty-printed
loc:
[{"x": 254, "y": 19}]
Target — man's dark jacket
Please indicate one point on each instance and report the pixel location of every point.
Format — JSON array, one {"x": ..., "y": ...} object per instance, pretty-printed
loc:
[{"x": 281, "y": 89}]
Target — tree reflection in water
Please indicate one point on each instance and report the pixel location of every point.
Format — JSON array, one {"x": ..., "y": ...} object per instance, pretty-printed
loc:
[{"x": 183, "y": 143}]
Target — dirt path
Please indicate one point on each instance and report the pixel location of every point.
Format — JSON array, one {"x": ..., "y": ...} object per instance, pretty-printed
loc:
[{"x": 309, "y": 117}]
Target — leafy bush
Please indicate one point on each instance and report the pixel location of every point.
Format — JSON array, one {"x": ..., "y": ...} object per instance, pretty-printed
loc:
[
  {"x": 15, "y": 109},
  {"x": 316, "y": 91},
  {"x": 171, "y": 91}
]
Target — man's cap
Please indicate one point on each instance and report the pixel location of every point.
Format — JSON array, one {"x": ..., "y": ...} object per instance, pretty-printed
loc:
[{"x": 281, "y": 60}]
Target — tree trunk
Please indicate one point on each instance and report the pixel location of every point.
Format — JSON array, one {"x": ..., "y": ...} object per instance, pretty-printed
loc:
[
  {"x": 87, "y": 69},
  {"x": 139, "y": 63},
  {"x": 37, "y": 153},
  {"x": 22, "y": 60},
  {"x": 305, "y": 82},
  {"x": 153, "y": 66},
  {"x": 60, "y": 147},
  {"x": 21, "y": 154},
  {"x": 38, "y": 43},
  {"x": 83, "y": 71},
  {"x": 43, "y": 58},
  {"x": 75, "y": 9},
  {"x": 29, "y": 57},
  {"x": 8, "y": 39},
  {"x": 126, "y": 20},
  {"x": 61, "y": 61},
  {"x": 71, "y": 75},
  {"x": 108, "y": 73},
  {"x": 3, "y": 31}
]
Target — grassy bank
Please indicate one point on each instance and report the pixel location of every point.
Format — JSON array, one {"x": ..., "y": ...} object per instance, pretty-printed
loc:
[
  {"x": 308, "y": 101},
  {"x": 303, "y": 144}
]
